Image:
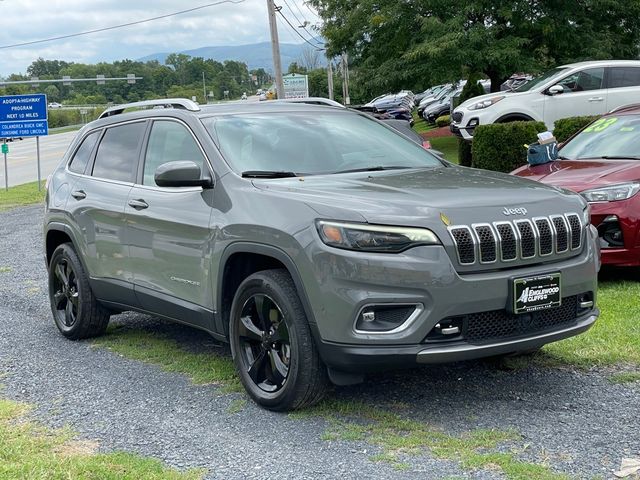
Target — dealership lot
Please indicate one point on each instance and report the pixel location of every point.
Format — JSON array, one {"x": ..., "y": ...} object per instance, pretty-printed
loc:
[{"x": 576, "y": 422}]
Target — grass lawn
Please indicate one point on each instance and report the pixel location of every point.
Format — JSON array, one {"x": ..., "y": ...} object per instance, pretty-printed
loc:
[
  {"x": 615, "y": 338},
  {"x": 420, "y": 125},
  {"x": 25, "y": 194},
  {"x": 30, "y": 451},
  {"x": 448, "y": 146}
]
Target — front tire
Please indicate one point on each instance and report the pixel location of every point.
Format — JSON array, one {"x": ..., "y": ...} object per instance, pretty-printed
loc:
[
  {"x": 272, "y": 345},
  {"x": 76, "y": 311}
]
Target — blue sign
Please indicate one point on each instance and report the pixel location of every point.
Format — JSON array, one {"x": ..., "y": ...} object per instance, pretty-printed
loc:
[{"x": 23, "y": 116}]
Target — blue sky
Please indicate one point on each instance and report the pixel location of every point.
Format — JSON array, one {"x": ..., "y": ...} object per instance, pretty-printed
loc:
[{"x": 226, "y": 24}]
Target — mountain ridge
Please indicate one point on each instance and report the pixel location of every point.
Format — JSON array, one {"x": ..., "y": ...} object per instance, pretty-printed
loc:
[{"x": 255, "y": 55}]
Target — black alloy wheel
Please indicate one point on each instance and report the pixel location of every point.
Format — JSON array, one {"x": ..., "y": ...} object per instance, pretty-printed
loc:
[
  {"x": 272, "y": 345},
  {"x": 66, "y": 294},
  {"x": 264, "y": 343},
  {"x": 76, "y": 311}
]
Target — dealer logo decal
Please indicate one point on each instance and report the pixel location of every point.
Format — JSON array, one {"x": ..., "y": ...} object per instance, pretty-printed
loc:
[{"x": 531, "y": 295}]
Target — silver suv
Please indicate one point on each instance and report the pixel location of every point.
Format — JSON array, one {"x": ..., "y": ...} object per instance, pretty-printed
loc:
[{"x": 320, "y": 243}]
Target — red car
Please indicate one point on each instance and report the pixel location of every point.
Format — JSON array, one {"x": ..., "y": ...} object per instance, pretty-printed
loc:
[{"x": 602, "y": 163}]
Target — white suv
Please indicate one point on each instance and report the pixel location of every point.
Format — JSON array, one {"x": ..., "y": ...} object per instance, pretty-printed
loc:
[{"x": 586, "y": 88}]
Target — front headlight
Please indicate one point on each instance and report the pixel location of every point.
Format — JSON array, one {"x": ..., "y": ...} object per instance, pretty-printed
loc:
[
  {"x": 612, "y": 193},
  {"x": 373, "y": 238},
  {"x": 486, "y": 103}
]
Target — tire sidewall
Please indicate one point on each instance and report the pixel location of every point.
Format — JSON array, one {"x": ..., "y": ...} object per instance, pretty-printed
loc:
[
  {"x": 261, "y": 284},
  {"x": 66, "y": 252}
]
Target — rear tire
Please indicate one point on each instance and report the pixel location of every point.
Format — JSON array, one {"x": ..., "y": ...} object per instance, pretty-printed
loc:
[
  {"x": 272, "y": 345},
  {"x": 76, "y": 311}
]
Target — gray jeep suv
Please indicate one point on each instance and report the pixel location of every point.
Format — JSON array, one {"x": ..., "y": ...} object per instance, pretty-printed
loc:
[{"x": 320, "y": 243}]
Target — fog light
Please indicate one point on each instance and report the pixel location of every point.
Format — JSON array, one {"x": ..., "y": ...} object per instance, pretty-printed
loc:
[
  {"x": 473, "y": 122},
  {"x": 386, "y": 318},
  {"x": 610, "y": 233}
]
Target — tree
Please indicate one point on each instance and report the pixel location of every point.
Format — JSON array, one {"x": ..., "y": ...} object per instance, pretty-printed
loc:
[
  {"x": 310, "y": 58},
  {"x": 295, "y": 68},
  {"x": 416, "y": 42}
]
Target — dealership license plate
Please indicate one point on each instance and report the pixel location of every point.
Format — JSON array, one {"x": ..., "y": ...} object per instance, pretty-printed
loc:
[{"x": 536, "y": 293}]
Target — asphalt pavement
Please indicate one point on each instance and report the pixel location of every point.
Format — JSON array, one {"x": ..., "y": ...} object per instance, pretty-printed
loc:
[
  {"x": 22, "y": 159},
  {"x": 575, "y": 421}
]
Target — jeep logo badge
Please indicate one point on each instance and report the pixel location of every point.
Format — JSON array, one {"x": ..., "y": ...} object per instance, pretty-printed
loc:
[{"x": 514, "y": 211}]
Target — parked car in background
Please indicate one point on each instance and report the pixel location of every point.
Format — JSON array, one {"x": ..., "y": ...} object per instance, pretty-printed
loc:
[
  {"x": 586, "y": 88},
  {"x": 602, "y": 163},
  {"x": 433, "y": 98},
  {"x": 514, "y": 81},
  {"x": 55, "y": 105},
  {"x": 441, "y": 107},
  {"x": 429, "y": 91}
]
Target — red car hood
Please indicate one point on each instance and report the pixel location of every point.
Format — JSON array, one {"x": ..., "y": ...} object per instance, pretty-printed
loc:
[{"x": 579, "y": 175}]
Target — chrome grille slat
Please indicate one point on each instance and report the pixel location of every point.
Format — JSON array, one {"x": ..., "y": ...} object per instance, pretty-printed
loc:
[
  {"x": 486, "y": 242},
  {"x": 523, "y": 239}
]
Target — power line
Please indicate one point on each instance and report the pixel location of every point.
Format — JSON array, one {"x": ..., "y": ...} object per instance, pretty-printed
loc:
[
  {"x": 297, "y": 32},
  {"x": 120, "y": 26},
  {"x": 303, "y": 24}
]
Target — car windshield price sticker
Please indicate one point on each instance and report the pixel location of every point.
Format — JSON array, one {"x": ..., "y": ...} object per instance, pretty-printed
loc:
[
  {"x": 23, "y": 116},
  {"x": 536, "y": 293}
]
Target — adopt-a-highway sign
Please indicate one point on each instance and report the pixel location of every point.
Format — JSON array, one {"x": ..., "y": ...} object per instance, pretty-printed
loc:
[{"x": 23, "y": 116}]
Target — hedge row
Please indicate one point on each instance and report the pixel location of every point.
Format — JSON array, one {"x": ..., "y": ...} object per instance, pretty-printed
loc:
[
  {"x": 566, "y": 127},
  {"x": 443, "y": 121},
  {"x": 501, "y": 146},
  {"x": 65, "y": 117}
]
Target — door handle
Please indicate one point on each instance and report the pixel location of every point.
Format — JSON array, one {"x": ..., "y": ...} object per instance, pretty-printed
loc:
[
  {"x": 596, "y": 99},
  {"x": 138, "y": 204},
  {"x": 79, "y": 194}
]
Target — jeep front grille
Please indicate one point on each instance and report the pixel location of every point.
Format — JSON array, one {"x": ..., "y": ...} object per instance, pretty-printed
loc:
[{"x": 522, "y": 239}]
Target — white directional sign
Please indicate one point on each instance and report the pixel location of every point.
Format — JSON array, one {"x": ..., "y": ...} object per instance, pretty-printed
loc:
[{"x": 295, "y": 86}]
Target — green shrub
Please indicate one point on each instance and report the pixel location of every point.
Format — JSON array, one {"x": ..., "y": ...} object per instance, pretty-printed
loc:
[
  {"x": 443, "y": 121},
  {"x": 64, "y": 117},
  {"x": 500, "y": 146},
  {"x": 565, "y": 127}
]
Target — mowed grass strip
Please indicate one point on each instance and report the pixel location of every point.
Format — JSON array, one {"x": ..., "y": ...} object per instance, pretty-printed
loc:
[
  {"x": 614, "y": 339},
  {"x": 30, "y": 451},
  {"x": 397, "y": 436},
  {"x": 448, "y": 146},
  {"x": 149, "y": 347},
  {"x": 20, "y": 195}
]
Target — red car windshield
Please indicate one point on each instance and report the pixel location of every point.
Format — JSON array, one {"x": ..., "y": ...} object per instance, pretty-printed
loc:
[{"x": 608, "y": 137}]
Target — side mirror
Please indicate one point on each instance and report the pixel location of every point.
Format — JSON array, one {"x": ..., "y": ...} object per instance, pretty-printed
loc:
[
  {"x": 181, "y": 174},
  {"x": 555, "y": 90}
]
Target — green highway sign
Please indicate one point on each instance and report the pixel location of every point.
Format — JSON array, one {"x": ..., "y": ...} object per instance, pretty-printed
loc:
[{"x": 5, "y": 148}]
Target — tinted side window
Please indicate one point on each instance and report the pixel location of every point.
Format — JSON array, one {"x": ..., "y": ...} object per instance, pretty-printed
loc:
[
  {"x": 624, "y": 77},
  {"x": 118, "y": 152},
  {"x": 590, "y": 79},
  {"x": 81, "y": 157},
  {"x": 169, "y": 142}
]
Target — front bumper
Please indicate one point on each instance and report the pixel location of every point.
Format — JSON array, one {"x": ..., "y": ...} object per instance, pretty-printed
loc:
[
  {"x": 625, "y": 211},
  {"x": 360, "y": 358}
]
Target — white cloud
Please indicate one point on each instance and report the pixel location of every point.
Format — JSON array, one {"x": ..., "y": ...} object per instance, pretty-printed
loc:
[{"x": 225, "y": 24}]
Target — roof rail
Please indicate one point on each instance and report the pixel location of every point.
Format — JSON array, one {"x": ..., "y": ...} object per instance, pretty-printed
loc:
[
  {"x": 311, "y": 101},
  {"x": 625, "y": 107},
  {"x": 181, "y": 103}
]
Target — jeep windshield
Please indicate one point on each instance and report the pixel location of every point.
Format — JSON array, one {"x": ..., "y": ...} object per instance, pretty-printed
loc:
[
  {"x": 614, "y": 138},
  {"x": 284, "y": 144},
  {"x": 556, "y": 72}
]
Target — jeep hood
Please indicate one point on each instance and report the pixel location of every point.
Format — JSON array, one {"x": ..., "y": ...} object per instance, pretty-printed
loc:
[
  {"x": 579, "y": 175},
  {"x": 407, "y": 196}
]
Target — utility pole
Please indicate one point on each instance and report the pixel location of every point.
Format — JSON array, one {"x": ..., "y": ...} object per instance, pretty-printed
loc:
[
  {"x": 330, "y": 79},
  {"x": 345, "y": 79},
  {"x": 275, "y": 48},
  {"x": 204, "y": 89}
]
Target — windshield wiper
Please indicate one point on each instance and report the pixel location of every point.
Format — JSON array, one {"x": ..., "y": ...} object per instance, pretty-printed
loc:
[
  {"x": 267, "y": 174},
  {"x": 620, "y": 157},
  {"x": 378, "y": 168}
]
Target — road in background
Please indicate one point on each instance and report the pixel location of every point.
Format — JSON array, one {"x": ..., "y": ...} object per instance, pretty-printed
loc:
[{"x": 22, "y": 157}]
